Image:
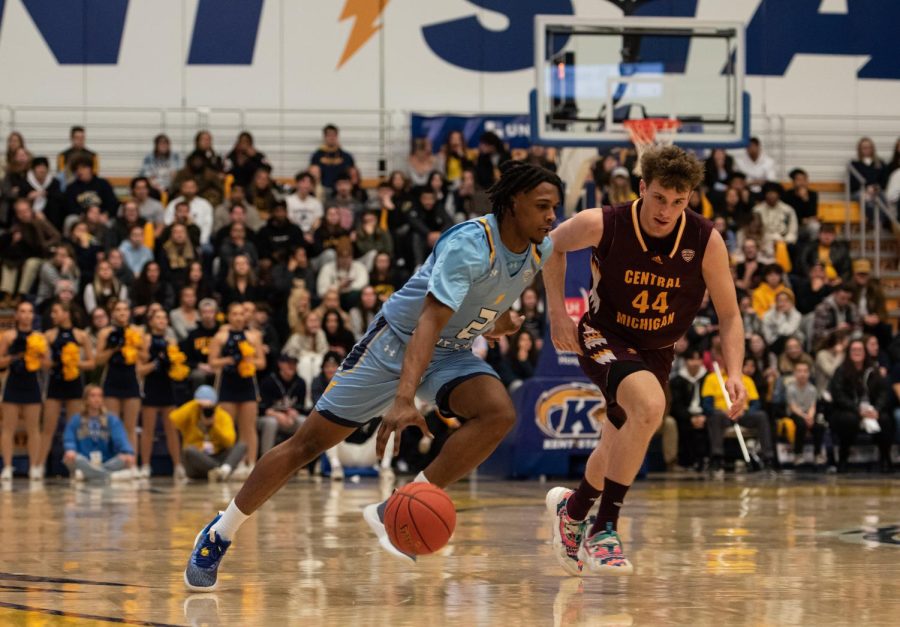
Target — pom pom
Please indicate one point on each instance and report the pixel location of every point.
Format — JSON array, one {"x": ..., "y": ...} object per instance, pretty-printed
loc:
[
  {"x": 69, "y": 357},
  {"x": 178, "y": 370},
  {"x": 35, "y": 349}
]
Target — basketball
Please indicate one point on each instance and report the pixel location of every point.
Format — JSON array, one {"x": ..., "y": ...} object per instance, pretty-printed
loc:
[{"x": 419, "y": 518}]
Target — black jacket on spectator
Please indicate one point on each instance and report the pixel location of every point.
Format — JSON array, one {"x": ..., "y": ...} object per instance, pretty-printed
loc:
[
  {"x": 384, "y": 286},
  {"x": 807, "y": 299},
  {"x": 757, "y": 276},
  {"x": 512, "y": 369},
  {"x": 848, "y": 390},
  {"x": 803, "y": 208},
  {"x": 10, "y": 189},
  {"x": 55, "y": 206},
  {"x": 243, "y": 172},
  {"x": 86, "y": 260},
  {"x": 210, "y": 159},
  {"x": 196, "y": 345},
  {"x": 276, "y": 392},
  {"x": 317, "y": 388},
  {"x": 80, "y": 195},
  {"x": 35, "y": 241},
  {"x": 229, "y": 294},
  {"x": 839, "y": 255},
  {"x": 875, "y": 173},
  {"x": 485, "y": 168},
  {"x": 161, "y": 292},
  {"x": 436, "y": 219},
  {"x": 342, "y": 341},
  {"x": 692, "y": 443},
  {"x": 278, "y": 241},
  {"x": 271, "y": 340}
]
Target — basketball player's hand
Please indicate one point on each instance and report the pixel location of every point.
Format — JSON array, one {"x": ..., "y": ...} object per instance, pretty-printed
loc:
[
  {"x": 564, "y": 332},
  {"x": 401, "y": 414},
  {"x": 738, "y": 394},
  {"x": 507, "y": 324}
]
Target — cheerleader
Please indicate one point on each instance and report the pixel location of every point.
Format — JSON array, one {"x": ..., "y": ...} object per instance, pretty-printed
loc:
[
  {"x": 71, "y": 354},
  {"x": 160, "y": 359},
  {"x": 235, "y": 354},
  {"x": 24, "y": 351},
  {"x": 118, "y": 348}
]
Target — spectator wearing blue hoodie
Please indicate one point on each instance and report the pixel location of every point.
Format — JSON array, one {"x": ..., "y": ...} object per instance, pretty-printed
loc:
[{"x": 96, "y": 445}]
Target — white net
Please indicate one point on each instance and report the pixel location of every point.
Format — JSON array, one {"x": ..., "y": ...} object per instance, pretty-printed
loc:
[{"x": 650, "y": 132}]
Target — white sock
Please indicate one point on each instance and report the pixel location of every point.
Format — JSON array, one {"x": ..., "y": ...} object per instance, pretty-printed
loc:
[
  {"x": 230, "y": 522},
  {"x": 421, "y": 478},
  {"x": 225, "y": 469}
]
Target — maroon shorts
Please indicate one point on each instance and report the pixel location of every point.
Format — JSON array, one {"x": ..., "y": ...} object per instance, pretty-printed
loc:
[{"x": 603, "y": 352}]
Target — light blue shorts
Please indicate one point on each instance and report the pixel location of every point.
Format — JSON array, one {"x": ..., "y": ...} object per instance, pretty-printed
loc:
[{"x": 366, "y": 384}]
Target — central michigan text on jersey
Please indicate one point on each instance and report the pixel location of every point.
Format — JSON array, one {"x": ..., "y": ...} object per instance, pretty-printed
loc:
[{"x": 650, "y": 289}]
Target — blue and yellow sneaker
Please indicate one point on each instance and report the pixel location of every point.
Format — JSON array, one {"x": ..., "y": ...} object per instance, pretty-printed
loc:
[
  {"x": 602, "y": 553},
  {"x": 203, "y": 567}
]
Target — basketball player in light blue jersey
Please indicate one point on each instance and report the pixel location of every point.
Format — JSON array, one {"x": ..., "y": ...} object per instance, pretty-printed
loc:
[{"x": 420, "y": 344}]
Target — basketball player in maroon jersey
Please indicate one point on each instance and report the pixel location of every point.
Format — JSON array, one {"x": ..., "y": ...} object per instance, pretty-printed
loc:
[{"x": 651, "y": 263}]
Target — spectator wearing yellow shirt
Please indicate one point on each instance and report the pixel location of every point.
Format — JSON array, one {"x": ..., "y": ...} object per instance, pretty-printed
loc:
[
  {"x": 717, "y": 421},
  {"x": 772, "y": 285},
  {"x": 208, "y": 436}
]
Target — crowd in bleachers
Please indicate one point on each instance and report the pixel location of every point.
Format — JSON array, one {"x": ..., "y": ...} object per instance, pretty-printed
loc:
[
  {"x": 297, "y": 269},
  {"x": 822, "y": 360}
]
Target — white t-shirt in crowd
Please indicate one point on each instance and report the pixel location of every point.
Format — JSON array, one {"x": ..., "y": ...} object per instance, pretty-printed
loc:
[{"x": 304, "y": 212}]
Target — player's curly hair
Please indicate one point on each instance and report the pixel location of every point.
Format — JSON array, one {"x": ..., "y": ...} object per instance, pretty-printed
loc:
[
  {"x": 518, "y": 177},
  {"x": 672, "y": 167}
]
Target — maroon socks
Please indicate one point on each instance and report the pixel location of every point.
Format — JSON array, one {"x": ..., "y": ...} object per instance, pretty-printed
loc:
[
  {"x": 581, "y": 501},
  {"x": 610, "y": 504}
]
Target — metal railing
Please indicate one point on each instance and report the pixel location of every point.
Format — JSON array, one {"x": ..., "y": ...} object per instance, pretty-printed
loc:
[
  {"x": 869, "y": 199},
  {"x": 821, "y": 144},
  {"x": 122, "y": 136}
]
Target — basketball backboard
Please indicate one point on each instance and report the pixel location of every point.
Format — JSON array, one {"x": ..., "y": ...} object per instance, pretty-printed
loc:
[{"x": 593, "y": 74}]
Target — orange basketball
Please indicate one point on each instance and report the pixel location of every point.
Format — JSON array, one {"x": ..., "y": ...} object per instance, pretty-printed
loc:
[{"x": 419, "y": 518}]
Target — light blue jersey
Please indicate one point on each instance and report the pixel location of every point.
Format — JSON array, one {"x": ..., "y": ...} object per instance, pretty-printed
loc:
[
  {"x": 473, "y": 273},
  {"x": 470, "y": 271}
]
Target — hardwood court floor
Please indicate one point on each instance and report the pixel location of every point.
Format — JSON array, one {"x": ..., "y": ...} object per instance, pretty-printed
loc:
[{"x": 747, "y": 551}]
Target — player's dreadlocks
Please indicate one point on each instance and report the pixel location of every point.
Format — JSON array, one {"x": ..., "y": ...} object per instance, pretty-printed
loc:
[{"x": 519, "y": 177}]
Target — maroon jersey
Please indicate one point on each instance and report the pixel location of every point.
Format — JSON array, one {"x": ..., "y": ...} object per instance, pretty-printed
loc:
[{"x": 646, "y": 297}]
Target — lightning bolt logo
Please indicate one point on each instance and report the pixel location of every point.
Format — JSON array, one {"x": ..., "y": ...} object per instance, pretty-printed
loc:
[{"x": 366, "y": 13}]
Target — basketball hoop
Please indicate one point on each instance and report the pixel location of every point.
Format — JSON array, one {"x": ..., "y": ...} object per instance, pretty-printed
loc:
[{"x": 649, "y": 132}]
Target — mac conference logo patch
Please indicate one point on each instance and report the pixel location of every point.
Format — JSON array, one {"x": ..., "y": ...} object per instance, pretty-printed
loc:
[{"x": 688, "y": 254}]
